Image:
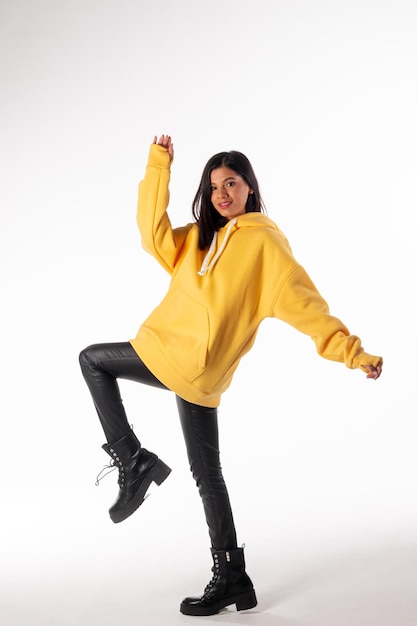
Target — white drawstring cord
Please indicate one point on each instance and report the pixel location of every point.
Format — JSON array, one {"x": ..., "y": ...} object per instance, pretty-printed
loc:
[{"x": 207, "y": 264}]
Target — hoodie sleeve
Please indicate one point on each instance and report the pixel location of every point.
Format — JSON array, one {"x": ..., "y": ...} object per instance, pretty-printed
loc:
[
  {"x": 158, "y": 236},
  {"x": 299, "y": 304}
]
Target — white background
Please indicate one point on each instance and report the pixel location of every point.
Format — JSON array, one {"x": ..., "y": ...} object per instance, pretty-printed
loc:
[{"x": 320, "y": 462}]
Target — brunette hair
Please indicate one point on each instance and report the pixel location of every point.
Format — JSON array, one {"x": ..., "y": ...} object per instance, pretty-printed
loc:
[{"x": 208, "y": 219}]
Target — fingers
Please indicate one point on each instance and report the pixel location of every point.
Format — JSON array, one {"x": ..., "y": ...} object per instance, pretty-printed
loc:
[
  {"x": 166, "y": 142},
  {"x": 374, "y": 372}
]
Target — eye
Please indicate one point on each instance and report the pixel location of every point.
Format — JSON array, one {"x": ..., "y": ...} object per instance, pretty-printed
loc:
[
  {"x": 212, "y": 188},
  {"x": 230, "y": 184}
]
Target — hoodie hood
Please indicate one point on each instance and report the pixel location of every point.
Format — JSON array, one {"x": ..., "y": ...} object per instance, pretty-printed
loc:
[{"x": 246, "y": 220}]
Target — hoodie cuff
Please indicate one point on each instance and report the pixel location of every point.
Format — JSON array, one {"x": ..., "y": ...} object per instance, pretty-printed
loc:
[
  {"x": 159, "y": 157},
  {"x": 363, "y": 359}
]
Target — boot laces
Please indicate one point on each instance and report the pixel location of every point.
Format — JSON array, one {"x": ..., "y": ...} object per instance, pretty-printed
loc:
[
  {"x": 113, "y": 465},
  {"x": 214, "y": 578},
  {"x": 212, "y": 582}
]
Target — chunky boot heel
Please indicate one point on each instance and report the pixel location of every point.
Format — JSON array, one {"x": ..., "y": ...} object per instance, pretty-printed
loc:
[
  {"x": 246, "y": 601},
  {"x": 138, "y": 468},
  {"x": 230, "y": 584},
  {"x": 160, "y": 472}
]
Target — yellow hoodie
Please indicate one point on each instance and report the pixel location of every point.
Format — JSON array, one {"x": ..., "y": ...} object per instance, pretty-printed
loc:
[{"x": 193, "y": 341}]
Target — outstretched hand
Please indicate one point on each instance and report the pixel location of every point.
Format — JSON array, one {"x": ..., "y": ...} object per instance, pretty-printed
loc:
[
  {"x": 166, "y": 142},
  {"x": 374, "y": 371}
]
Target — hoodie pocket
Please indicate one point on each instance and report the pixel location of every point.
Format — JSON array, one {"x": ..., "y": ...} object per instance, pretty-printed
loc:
[{"x": 180, "y": 324}]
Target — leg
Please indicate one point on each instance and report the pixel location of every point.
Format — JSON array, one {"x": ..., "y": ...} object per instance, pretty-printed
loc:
[
  {"x": 101, "y": 365},
  {"x": 230, "y": 583},
  {"x": 199, "y": 426}
]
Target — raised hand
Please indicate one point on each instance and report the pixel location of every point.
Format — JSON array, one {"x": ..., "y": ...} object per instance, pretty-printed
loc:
[{"x": 166, "y": 142}]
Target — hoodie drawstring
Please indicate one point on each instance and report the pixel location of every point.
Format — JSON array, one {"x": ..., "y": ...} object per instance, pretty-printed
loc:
[{"x": 207, "y": 263}]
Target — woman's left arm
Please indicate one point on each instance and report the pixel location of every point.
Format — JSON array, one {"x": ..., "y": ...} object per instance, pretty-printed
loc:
[{"x": 300, "y": 304}]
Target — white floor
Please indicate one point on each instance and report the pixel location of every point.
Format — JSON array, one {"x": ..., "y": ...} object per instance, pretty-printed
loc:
[
  {"x": 371, "y": 586},
  {"x": 69, "y": 573}
]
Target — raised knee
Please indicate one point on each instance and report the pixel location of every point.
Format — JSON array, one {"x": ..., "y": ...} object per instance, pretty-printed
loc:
[{"x": 86, "y": 357}]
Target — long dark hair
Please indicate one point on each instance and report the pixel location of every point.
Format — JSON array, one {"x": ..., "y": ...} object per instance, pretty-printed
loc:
[{"x": 206, "y": 216}]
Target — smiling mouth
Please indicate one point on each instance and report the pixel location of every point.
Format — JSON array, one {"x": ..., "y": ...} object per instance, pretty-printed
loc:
[{"x": 224, "y": 205}]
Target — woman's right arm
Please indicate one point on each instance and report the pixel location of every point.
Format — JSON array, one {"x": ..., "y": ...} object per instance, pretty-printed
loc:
[{"x": 158, "y": 236}]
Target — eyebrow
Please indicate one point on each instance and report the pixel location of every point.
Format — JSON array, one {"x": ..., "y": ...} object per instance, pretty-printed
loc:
[{"x": 225, "y": 179}]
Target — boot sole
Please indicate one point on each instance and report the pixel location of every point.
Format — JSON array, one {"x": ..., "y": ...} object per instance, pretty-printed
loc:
[
  {"x": 157, "y": 474},
  {"x": 243, "y": 602}
]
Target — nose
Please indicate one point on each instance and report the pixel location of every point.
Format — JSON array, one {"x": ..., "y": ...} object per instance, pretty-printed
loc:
[{"x": 222, "y": 192}]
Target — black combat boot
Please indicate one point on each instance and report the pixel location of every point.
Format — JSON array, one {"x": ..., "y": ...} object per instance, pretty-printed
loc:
[
  {"x": 137, "y": 469},
  {"x": 230, "y": 585}
]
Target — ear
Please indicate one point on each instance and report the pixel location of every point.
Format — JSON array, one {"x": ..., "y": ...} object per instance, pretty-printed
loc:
[{"x": 250, "y": 191}]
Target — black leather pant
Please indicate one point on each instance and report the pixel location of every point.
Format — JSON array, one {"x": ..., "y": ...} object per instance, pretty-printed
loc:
[{"x": 102, "y": 365}]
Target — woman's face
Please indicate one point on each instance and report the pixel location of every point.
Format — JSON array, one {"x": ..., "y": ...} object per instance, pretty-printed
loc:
[{"x": 229, "y": 192}]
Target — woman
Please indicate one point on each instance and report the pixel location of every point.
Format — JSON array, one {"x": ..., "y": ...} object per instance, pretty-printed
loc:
[{"x": 230, "y": 269}]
